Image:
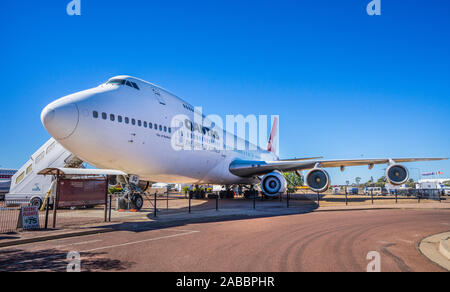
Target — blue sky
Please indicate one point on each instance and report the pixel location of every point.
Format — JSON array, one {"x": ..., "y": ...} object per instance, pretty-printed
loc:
[{"x": 345, "y": 84}]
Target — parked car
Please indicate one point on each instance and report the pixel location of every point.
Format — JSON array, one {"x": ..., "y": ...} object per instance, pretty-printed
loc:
[
  {"x": 352, "y": 191},
  {"x": 373, "y": 190},
  {"x": 446, "y": 191},
  {"x": 336, "y": 190}
]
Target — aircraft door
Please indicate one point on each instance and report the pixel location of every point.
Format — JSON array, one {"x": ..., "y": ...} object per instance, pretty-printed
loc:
[{"x": 159, "y": 96}]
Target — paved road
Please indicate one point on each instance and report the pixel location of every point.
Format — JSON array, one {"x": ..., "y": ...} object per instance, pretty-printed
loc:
[{"x": 319, "y": 241}]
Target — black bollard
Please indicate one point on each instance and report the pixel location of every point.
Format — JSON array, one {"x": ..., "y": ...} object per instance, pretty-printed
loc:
[
  {"x": 155, "y": 210},
  {"x": 217, "y": 202},
  {"x": 46, "y": 212},
  {"x": 110, "y": 206},
  {"x": 190, "y": 197}
]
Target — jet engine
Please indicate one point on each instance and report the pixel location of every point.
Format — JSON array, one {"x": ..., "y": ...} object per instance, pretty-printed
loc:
[
  {"x": 273, "y": 184},
  {"x": 397, "y": 174},
  {"x": 318, "y": 180}
]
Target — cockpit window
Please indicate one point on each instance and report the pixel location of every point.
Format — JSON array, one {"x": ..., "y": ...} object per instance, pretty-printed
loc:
[
  {"x": 124, "y": 82},
  {"x": 135, "y": 85},
  {"x": 116, "y": 81}
]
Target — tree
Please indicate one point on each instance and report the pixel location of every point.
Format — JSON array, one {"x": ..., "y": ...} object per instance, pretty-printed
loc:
[
  {"x": 293, "y": 181},
  {"x": 370, "y": 183},
  {"x": 381, "y": 182},
  {"x": 411, "y": 183},
  {"x": 447, "y": 183},
  {"x": 185, "y": 191}
]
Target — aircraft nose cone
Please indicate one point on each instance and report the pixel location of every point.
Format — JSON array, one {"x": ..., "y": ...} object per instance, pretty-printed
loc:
[{"x": 60, "y": 119}]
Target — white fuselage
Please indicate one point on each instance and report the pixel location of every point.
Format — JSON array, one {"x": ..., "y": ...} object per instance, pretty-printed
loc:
[{"x": 78, "y": 122}]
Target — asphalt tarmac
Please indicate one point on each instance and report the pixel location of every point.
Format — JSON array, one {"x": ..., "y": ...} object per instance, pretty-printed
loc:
[{"x": 318, "y": 241}]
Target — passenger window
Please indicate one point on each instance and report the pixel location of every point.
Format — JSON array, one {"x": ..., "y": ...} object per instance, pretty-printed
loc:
[
  {"x": 133, "y": 122},
  {"x": 139, "y": 123},
  {"x": 150, "y": 125},
  {"x": 156, "y": 126},
  {"x": 29, "y": 168},
  {"x": 39, "y": 157},
  {"x": 50, "y": 148},
  {"x": 20, "y": 177},
  {"x": 145, "y": 124},
  {"x": 95, "y": 114},
  {"x": 160, "y": 127},
  {"x": 127, "y": 120},
  {"x": 170, "y": 131},
  {"x": 119, "y": 118},
  {"x": 165, "y": 129},
  {"x": 112, "y": 117},
  {"x": 104, "y": 116}
]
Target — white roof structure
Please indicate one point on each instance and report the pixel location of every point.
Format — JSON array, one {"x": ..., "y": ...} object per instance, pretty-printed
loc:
[
  {"x": 434, "y": 180},
  {"x": 80, "y": 171}
]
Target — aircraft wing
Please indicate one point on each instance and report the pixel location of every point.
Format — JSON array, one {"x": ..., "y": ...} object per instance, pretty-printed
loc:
[{"x": 245, "y": 168}]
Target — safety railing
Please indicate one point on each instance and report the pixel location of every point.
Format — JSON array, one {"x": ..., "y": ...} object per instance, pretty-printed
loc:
[{"x": 10, "y": 216}]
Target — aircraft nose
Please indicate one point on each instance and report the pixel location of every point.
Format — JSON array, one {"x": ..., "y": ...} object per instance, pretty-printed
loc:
[{"x": 60, "y": 119}]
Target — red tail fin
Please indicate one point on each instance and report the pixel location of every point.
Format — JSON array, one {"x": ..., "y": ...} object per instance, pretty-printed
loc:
[{"x": 273, "y": 140}]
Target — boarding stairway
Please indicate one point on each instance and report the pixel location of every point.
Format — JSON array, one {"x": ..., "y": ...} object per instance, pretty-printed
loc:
[{"x": 27, "y": 185}]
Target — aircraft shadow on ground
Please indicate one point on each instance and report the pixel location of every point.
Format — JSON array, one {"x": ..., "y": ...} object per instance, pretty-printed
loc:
[
  {"x": 160, "y": 222},
  {"x": 17, "y": 260}
]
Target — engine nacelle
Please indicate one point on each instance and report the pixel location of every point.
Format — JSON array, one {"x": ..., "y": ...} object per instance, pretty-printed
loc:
[
  {"x": 273, "y": 184},
  {"x": 318, "y": 180},
  {"x": 397, "y": 174}
]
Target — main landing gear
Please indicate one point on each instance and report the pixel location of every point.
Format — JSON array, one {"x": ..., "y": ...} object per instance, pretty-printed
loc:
[{"x": 132, "y": 198}]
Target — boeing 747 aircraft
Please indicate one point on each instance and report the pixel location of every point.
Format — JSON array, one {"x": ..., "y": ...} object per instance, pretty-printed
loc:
[{"x": 134, "y": 126}]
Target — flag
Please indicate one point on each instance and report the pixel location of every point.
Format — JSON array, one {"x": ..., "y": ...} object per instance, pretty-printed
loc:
[{"x": 427, "y": 173}]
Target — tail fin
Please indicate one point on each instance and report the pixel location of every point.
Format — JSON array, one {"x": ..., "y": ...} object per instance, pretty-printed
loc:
[{"x": 273, "y": 140}]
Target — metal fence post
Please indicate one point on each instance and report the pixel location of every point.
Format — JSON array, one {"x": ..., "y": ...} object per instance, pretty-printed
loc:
[
  {"x": 55, "y": 200},
  {"x": 106, "y": 197},
  {"x": 254, "y": 200},
  {"x": 155, "y": 210},
  {"x": 167, "y": 200},
  {"x": 346, "y": 202},
  {"x": 110, "y": 207},
  {"x": 217, "y": 202},
  {"x": 190, "y": 197},
  {"x": 318, "y": 199},
  {"x": 287, "y": 199},
  {"x": 396, "y": 196},
  {"x": 46, "y": 212}
]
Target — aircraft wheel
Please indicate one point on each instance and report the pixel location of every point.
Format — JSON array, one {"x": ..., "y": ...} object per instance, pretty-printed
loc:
[
  {"x": 137, "y": 202},
  {"x": 36, "y": 202}
]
